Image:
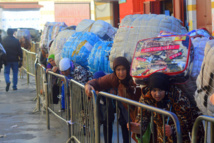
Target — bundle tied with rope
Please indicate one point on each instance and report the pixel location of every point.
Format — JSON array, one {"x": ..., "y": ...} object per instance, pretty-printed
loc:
[{"x": 205, "y": 82}]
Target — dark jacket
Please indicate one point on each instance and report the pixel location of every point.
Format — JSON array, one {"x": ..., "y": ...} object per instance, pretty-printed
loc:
[
  {"x": 175, "y": 102},
  {"x": 111, "y": 81},
  {"x": 13, "y": 49}
]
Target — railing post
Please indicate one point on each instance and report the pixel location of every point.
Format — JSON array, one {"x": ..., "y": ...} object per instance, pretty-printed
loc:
[
  {"x": 28, "y": 77},
  {"x": 68, "y": 105},
  {"x": 47, "y": 105}
]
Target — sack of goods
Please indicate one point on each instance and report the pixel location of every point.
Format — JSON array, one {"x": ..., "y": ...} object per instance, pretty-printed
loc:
[
  {"x": 98, "y": 59},
  {"x": 172, "y": 55},
  {"x": 51, "y": 29},
  {"x": 136, "y": 27},
  {"x": 78, "y": 47},
  {"x": 58, "y": 43},
  {"x": 101, "y": 28},
  {"x": 205, "y": 82}
]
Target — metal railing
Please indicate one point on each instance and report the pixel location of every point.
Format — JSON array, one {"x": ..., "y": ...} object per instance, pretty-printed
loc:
[
  {"x": 50, "y": 106},
  {"x": 196, "y": 127},
  {"x": 152, "y": 109},
  {"x": 83, "y": 114},
  {"x": 40, "y": 80},
  {"x": 29, "y": 62}
]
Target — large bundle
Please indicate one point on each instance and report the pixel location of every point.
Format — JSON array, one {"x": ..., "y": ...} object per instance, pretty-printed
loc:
[
  {"x": 58, "y": 43},
  {"x": 136, "y": 27},
  {"x": 199, "y": 46},
  {"x": 103, "y": 29},
  {"x": 24, "y": 38},
  {"x": 190, "y": 87},
  {"x": 98, "y": 59},
  {"x": 78, "y": 47},
  {"x": 205, "y": 82},
  {"x": 171, "y": 55},
  {"x": 51, "y": 29}
]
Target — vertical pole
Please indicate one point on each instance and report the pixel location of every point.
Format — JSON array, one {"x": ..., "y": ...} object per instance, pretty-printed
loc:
[
  {"x": 68, "y": 105},
  {"x": 47, "y": 105}
]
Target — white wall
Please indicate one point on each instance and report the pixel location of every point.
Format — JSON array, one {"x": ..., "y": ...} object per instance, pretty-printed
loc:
[{"x": 20, "y": 19}]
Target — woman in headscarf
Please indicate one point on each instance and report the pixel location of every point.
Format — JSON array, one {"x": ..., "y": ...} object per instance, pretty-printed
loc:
[
  {"x": 123, "y": 82},
  {"x": 162, "y": 94}
]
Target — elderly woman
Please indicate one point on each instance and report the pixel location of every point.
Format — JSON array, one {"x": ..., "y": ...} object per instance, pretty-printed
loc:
[{"x": 160, "y": 93}]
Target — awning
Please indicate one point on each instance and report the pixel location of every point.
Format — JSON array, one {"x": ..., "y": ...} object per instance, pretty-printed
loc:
[{"x": 20, "y": 5}]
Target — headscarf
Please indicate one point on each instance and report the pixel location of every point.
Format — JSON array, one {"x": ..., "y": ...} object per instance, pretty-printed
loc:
[
  {"x": 159, "y": 80},
  {"x": 51, "y": 57},
  {"x": 98, "y": 74},
  {"x": 65, "y": 64},
  {"x": 124, "y": 62}
]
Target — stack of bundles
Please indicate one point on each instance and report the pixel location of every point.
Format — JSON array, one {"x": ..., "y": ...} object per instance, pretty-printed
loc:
[
  {"x": 101, "y": 28},
  {"x": 205, "y": 82},
  {"x": 50, "y": 31},
  {"x": 200, "y": 32},
  {"x": 136, "y": 27},
  {"x": 190, "y": 87},
  {"x": 58, "y": 43},
  {"x": 199, "y": 46},
  {"x": 78, "y": 47},
  {"x": 24, "y": 38},
  {"x": 98, "y": 59}
]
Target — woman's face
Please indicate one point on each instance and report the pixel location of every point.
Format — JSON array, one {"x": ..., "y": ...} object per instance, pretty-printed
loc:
[
  {"x": 158, "y": 94},
  {"x": 66, "y": 73},
  {"x": 121, "y": 72},
  {"x": 52, "y": 62}
]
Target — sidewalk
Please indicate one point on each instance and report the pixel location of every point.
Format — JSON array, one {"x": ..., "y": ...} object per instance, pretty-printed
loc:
[{"x": 18, "y": 122}]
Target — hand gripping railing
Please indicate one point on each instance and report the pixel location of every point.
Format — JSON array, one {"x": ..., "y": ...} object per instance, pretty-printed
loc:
[
  {"x": 83, "y": 114},
  {"x": 144, "y": 106}
]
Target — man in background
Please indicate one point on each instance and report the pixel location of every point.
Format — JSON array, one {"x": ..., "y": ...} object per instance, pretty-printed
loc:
[{"x": 14, "y": 58}]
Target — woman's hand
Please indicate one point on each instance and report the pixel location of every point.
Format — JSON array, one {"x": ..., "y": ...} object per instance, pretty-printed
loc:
[
  {"x": 88, "y": 89},
  {"x": 168, "y": 130},
  {"x": 47, "y": 70},
  {"x": 54, "y": 69},
  {"x": 212, "y": 99},
  {"x": 134, "y": 127}
]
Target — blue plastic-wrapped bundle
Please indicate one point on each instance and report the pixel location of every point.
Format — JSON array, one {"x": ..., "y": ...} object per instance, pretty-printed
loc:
[
  {"x": 98, "y": 59},
  {"x": 78, "y": 47}
]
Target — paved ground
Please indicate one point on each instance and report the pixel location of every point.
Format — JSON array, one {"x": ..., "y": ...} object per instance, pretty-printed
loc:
[{"x": 18, "y": 122}]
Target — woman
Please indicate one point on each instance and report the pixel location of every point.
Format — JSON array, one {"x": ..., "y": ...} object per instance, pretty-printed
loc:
[
  {"x": 51, "y": 66},
  {"x": 159, "y": 93},
  {"x": 123, "y": 82}
]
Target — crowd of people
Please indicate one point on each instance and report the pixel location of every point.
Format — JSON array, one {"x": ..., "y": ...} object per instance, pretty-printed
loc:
[{"x": 159, "y": 92}]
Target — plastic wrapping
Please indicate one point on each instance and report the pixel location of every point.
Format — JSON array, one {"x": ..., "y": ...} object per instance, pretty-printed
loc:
[
  {"x": 136, "y": 27},
  {"x": 98, "y": 59},
  {"x": 78, "y": 47},
  {"x": 58, "y": 43}
]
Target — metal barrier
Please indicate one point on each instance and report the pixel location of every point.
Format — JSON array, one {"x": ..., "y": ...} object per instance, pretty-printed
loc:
[
  {"x": 83, "y": 114},
  {"x": 50, "y": 107},
  {"x": 152, "y": 109},
  {"x": 196, "y": 125},
  {"x": 40, "y": 80},
  {"x": 35, "y": 47},
  {"x": 29, "y": 61}
]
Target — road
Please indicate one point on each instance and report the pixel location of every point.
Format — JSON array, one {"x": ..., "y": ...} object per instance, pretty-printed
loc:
[{"x": 18, "y": 122}]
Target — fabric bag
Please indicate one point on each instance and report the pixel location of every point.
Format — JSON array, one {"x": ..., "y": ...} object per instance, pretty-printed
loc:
[
  {"x": 172, "y": 55},
  {"x": 146, "y": 136}
]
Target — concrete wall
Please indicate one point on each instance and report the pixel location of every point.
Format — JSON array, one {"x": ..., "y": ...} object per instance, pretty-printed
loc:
[{"x": 104, "y": 11}]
